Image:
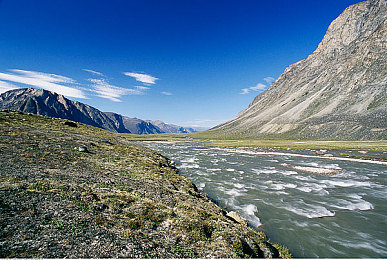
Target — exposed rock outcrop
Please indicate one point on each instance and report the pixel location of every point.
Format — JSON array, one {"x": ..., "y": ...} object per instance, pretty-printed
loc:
[
  {"x": 237, "y": 218},
  {"x": 338, "y": 92}
]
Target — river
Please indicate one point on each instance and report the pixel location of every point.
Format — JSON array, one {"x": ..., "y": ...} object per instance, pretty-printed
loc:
[{"x": 340, "y": 212}]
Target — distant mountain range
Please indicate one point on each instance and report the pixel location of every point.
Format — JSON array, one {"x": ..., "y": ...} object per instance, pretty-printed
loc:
[
  {"x": 338, "y": 92},
  {"x": 43, "y": 102}
]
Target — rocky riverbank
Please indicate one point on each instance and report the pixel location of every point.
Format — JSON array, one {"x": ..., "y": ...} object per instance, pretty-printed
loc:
[{"x": 72, "y": 190}]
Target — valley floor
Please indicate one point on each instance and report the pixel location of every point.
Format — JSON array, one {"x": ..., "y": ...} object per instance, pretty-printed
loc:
[{"x": 364, "y": 150}]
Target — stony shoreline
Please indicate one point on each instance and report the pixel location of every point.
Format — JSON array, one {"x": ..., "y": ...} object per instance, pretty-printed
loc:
[{"x": 78, "y": 191}]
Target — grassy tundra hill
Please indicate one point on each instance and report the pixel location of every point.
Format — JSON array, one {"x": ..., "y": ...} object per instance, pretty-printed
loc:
[{"x": 77, "y": 191}]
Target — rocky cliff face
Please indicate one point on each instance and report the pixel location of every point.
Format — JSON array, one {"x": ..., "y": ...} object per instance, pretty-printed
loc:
[
  {"x": 338, "y": 92},
  {"x": 43, "y": 102}
]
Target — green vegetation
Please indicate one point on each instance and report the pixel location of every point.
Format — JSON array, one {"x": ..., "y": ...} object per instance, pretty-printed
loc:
[
  {"x": 357, "y": 156},
  {"x": 114, "y": 198},
  {"x": 284, "y": 252},
  {"x": 74, "y": 226}
]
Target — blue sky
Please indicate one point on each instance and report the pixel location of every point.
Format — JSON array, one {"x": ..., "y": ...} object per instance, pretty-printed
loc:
[{"x": 187, "y": 62}]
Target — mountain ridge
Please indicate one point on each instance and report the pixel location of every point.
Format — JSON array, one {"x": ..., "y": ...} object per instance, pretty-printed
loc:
[
  {"x": 337, "y": 92},
  {"x": 44, "y": 102}
]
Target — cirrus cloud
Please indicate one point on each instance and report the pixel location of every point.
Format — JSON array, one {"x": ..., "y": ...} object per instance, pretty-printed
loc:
[
  {"x": 66, "y": 86},
  {"x": 52, "y": 82},
  {"x": 5, "y": 86},
  {"x": 105, "y": 90},
  {"x": 269, "y": 79},
  {"x": 142, "y": 88},
  {"x": 142, "y": 77},
  {"x": 245, "y": 91},
  {"x": 94, "y": 72},
  {"x": 258, "y": 87}
]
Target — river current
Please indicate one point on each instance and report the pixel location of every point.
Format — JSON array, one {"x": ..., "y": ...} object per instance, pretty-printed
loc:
[{"x": 340, "y": 213}]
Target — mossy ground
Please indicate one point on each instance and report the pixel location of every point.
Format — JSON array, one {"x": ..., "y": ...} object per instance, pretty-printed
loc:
[{"x": 118, "y": 199}]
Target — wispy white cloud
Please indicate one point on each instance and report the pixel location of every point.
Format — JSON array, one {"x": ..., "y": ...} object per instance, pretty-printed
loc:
[
  {"x": 245, "y": 91},
  {"x": 100, "y": 86},
  {"x": 105, "y": 90},
  {"x": 142, "y": 87},
  {"x": 45, "y": 76},
  {"x": 94, "y": 72},
  {"x": 141, "y": 77},
  {"x": 269, "y": 79},
  {"x": 5, "y": 86},
  {"x": 166, "y": 93},
  {"x": 257, "y": 87},
  {"x": 52, "y": 82}
]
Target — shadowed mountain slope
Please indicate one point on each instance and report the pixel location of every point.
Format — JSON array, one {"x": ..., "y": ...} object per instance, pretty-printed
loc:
[
  {"x": 170, "y": 128},
  {"x": 43, "y": 102}
]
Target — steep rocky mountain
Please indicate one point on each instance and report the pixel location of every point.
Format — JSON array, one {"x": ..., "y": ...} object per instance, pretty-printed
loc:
[
  {"x": 132, "y": 125},
  {"x": 170, "y": 128},
  {"x": 43, "y": 102},
  {"x": 338, "y": 92}
]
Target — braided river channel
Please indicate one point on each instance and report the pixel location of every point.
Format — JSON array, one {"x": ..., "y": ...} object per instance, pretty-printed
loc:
[{"x": 317, "y": 207}]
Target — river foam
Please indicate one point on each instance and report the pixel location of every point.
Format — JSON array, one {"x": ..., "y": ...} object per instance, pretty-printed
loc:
[
  {"x": 360, "y": 204},
  {"x": 313, "y": 170},
  {"x": 309, "y": 212},
  {"x": 346, "y": 183},
  {"x": 250, "y": 211}
]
